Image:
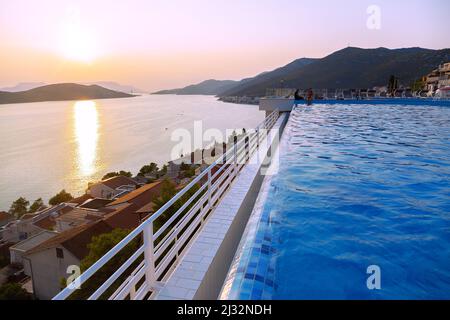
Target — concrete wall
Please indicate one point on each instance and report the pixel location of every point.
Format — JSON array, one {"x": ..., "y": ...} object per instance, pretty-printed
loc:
[
  {"x": 46, "y": 271},
  {"x": 271, "y": 104}
]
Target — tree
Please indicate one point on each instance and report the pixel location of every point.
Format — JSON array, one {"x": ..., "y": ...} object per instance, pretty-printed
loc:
[
  {"x": 117, "y": 174},
  {"x": 417, "y": 85},
  {"x": 37, "y": 204},
  {"x": 98, "y": 247},
  {"x": 148, "y": 169},
  {"x": 393, "y": 84},
  {"x": 189, "y": 173},
  {"x": 19, "y": 207},
  {"x": 164, "y": 169},
  {"x": 61, "y": 197},
  {"x": 184, "y": 166},
  {"x": 168, "y": 191},
  {"x": 13, "y": 291}
]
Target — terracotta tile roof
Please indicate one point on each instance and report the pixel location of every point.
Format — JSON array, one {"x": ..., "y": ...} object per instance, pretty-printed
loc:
[
  {"x": 124, "y": 218},
  {"x": 47, "y": 223},
  {"x": 5, "y": 217},
  {"x": 82, "y": 199},
  {"x": 118, "y": 181},
  {"x": 95, "y": 203},
  {"x": 148, "y": 208},
  {"x": 147, "y": 191},
  {"x": 74, "y": 240}
]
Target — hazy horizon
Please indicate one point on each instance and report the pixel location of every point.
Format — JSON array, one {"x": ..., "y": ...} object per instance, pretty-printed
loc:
[{"x": 155, "y": 45}]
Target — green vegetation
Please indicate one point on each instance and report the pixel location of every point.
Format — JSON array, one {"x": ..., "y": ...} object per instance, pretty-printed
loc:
[
  {"x": 98, "y": 247},
  {"x": 4, "y": 261},
  {"x": 13, "y": 291},
  {"x": 187, "y": 170},
  {"x": 168, "y": 191},
  {"x": 37, "y": 204},
  {"x": 19, "y": 207},
  {"x": 148, "y": 169},
  {"x": 392, "y": 84},
  {"x": 352, "y": 68},
  {"x": 417, "y": 85},
  {"x": 61, "y": 197},
  {"x": 116, "y": 174}
]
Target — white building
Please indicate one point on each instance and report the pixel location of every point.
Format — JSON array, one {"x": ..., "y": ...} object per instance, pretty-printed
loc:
[
  {"x": 112, "y": 187},
  {"x": 17, "y": 251},
  {"x": 47, "y": 263}
]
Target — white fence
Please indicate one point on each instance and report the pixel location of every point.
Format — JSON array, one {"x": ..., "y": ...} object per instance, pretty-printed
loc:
[{"x": 163, "y": 237}]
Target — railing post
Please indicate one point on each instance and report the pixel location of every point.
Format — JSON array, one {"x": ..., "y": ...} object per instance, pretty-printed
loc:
[
  {"x": 149, "y": 256},
  {"x": 257, "y": 138},
  {"x": 209, "y": 189},
  {"x": 235, "y": 159}
]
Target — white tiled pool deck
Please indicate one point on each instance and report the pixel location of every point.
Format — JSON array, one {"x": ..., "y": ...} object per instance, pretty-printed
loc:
[{"x": 203, "y": 268}]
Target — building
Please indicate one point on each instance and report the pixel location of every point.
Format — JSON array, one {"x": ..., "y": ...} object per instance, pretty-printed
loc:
[
  {"x": 76, "y": 217},
  {"x": 5, "y": 218},
  {"x": 126, "y": 213},
  {"x": 443, "y": 93},
  {"x": 438, "y": 78},
  {"x": 112, "y": 187},
  {"x": 47, "y": 262},
  {"x": 17, "y": 251},
  {"x": 32, "y": 224}
]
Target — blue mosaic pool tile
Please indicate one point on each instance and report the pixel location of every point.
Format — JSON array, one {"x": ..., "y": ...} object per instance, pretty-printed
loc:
[{"x": 253, "y": 274}]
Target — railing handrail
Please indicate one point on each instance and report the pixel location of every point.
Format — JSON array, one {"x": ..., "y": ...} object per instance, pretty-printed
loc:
[{"x": 269, "y": 121}]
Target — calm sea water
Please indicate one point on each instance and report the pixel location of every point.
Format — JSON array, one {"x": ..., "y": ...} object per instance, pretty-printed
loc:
[
  {"x": 361, "y": 186},
  {"x": 47, "y": 146}
]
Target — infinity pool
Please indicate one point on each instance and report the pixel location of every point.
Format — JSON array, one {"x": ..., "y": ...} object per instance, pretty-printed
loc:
[{"x": 357, "y": 186}]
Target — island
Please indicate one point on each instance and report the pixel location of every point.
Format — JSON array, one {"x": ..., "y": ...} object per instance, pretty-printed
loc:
[{"x": 61, "y": 92}]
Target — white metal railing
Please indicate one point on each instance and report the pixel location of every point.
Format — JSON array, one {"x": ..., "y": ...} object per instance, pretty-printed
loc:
[{"x": 162, "y": 248}]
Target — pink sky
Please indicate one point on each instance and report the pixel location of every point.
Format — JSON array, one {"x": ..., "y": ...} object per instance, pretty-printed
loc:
[{"x": 157, "y": 44}]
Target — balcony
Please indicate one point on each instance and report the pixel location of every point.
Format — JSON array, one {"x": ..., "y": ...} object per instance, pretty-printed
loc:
[{"x": 167, "y": 241}]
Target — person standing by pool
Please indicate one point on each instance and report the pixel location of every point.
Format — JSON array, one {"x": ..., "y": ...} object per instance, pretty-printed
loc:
[
  {"x": 297, "y": 97},
  {"x": 309, "y": 97}
]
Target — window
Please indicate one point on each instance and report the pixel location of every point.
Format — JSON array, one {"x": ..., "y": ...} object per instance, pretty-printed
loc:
[{"x": 59, "y": 253}]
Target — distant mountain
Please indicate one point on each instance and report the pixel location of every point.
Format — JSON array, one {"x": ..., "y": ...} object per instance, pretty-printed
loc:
[
  {"x": 23, "y": 86},
  {"x": 349, "y": 68},
  {"x": 274, "y": 76},
  {"x": 60, "y": 92},
  {"x": 222, "y": 87},
  {"x": 116, "y": 86},
  {"x": 208, "y": 87}
]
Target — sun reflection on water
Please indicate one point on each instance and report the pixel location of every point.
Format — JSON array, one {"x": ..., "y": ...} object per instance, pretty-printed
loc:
[{"x": 86, "y": 135}]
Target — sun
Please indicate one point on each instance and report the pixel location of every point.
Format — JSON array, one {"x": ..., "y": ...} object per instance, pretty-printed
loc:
[{"x": 78, "y": 44}]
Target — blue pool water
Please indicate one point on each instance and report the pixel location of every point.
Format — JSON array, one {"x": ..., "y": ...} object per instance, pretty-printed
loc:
[{"x": 357, "y": 186}]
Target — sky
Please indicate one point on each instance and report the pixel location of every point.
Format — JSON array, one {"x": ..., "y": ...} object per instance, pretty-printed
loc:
[{"x": 160, "y": 44}]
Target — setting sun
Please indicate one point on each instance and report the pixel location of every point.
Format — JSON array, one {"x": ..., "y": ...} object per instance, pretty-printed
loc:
[{"x": 78, "y": 43}]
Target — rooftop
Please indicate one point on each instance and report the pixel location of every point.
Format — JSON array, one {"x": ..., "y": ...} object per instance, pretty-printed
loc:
[
  {"x": 118, "y": 181},
  {"x": 33, "y": 241},
  {"x": 74, "y": 240},
  {"x": 5, "y": 217},
  {"x": 147, "y": 191},
  {"x": 95, "y": 203}
]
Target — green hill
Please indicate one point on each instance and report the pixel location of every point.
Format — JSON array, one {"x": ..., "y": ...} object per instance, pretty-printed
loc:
[
  {"x": 207, "y": 87},
  {"x": 349, "y": 68},
  {"x": 60, "y": 92}
]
